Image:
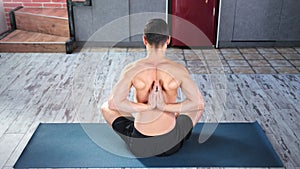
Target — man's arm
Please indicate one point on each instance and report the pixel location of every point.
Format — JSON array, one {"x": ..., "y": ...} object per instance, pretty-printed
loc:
[
  {"x": 118, "y": 100},
  {"x": 193, "y": 101}
]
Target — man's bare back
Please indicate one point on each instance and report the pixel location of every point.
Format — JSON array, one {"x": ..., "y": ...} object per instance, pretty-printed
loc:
[
  {"x": 155, "y": 122},
  {"x": 143, "y": 75}
]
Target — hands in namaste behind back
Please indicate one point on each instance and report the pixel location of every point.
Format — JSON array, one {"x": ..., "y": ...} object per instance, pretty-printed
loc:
[{"x": 156, "y": 97}]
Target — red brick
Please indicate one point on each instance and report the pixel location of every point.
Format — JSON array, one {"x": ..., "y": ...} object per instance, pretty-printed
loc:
[
  {"x": 7, "y": 22},
  {"x": 21, "y": 1},
  {"x": 7, "y": 10},
  {"x": 33, "y": 5},
  {"x": 7, "y": 16},
  {"x": 55, "y": 5},
  {"x": 41, "y": 0},
  {"x": 62, "y": 1},
  {"x": 11, "y": 4}
]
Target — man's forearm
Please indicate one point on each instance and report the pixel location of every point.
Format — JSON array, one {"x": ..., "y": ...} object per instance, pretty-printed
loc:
[
  {"x": 128, "y": 106},
  {"x": 182, "y": 107}
]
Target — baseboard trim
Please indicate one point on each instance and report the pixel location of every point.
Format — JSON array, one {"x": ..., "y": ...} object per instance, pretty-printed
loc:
[{"x": 225, "y": 44}]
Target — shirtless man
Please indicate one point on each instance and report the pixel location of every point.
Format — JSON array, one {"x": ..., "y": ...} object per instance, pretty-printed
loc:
[{"x": 160, "y": 124}]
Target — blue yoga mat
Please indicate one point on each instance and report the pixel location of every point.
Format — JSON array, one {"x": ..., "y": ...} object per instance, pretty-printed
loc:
[{"x": 97, "y": 146}]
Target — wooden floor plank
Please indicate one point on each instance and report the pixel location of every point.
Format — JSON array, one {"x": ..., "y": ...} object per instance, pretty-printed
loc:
[
  {"x": 28, "y": 115},
  {"x": 53, "y": 107},
  {"x": 26, "y": 36},
  {"x": 5, "y": 58},
  {"x": 8, "y": 143},
  {"x": 11, "y": 63},
  {"x": 48, "y": 12},
  {"x": 7, "y": 117},
  {"x": 20, "y": 147},
  {"x": 14, "y": 97},
  {"x": 68, "y": 112},
  {"x": 65, "y": 75},
  {"x": 288, "y": 141},
  {"x": 27, "y": 41},
  {"x": 42, "y": 23}
]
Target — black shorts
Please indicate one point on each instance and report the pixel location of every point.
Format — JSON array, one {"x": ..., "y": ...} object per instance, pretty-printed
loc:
[{"x": 146, "y": 146}]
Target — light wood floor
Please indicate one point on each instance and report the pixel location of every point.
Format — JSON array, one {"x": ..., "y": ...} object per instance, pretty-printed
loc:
[{"x": 39, "y": 87}]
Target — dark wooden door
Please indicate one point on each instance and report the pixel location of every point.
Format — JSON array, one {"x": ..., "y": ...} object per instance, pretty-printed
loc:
[{"x": 194, "y": 22}]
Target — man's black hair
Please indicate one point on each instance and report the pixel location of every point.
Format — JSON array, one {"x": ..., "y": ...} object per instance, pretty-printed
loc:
[{"x": 156, "y": 32}]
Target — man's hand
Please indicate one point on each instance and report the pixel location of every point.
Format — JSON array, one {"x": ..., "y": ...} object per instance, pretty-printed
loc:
[
  {"x": 156, "y": 97},
  {"x": 160, "y": 104},
  {"x": 152, "y": 98}
]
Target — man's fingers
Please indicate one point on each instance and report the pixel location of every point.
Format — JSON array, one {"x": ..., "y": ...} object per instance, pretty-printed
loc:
[
  {"x": 159, "y": 88},
  {"x": 160, "y": 101},
  {"x": 152, "y": 99},
  {"x": 160, "y": 85},
  {"x": 161, "y": 96},
  {"x": 156, "y": 85}
]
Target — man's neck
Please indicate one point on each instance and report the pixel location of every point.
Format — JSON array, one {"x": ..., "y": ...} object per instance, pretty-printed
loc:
[{"x": 155, "y": 55}]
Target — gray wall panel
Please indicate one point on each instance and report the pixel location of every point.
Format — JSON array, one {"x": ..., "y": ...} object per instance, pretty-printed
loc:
[
  {"x": 227, "y": 20},
  {"x": 104, "y": 21},
  {"x": 290, "y": 21},
  {"x": 139, "y": 15},
  {"x": 110, "y": 16},
  {"x": 257, "y": 20},
  {"x": 83, "y": 22}
]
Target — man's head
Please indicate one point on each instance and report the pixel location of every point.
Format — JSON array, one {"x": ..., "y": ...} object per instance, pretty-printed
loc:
[{"x": 156, "y": 33}]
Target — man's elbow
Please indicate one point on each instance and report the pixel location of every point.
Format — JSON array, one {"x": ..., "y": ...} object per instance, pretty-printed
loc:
[
  {"x": 111, "y": 104},
  {"x": 199, "y": 103}
]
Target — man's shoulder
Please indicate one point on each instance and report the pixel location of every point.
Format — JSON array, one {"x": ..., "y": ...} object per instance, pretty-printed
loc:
[
  {"x": 166, "y": 65},
  {"x": 171, "y": 65},
  {"x": 137, "y": 66}
]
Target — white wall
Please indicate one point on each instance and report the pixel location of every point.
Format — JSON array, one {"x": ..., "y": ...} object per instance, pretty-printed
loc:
[{"x": 3, "y": 26}]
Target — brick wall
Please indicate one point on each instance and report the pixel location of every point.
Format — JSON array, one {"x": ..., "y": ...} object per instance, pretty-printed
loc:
[{"x": 8, "y": 5}]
